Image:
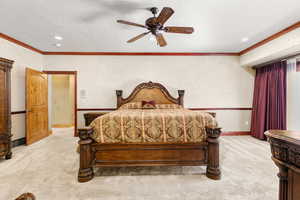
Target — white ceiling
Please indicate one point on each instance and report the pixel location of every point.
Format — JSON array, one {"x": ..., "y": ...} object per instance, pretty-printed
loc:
[{"x": 90, "y": 25}]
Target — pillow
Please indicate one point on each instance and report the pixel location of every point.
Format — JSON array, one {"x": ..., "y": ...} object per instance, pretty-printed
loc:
[
  {"x": 168, "y": 106},
  {"x": 132, "y": 105},
  {"x": 148, "y": 105}
]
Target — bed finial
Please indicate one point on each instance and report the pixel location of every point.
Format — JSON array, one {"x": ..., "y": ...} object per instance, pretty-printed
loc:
[
  {"x": 119, "y": 94},
  {"x": 150, "y": 84},
  {"x": 180, "y": 98}
]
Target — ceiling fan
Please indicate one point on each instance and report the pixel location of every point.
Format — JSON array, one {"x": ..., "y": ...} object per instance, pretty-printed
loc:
[{"x": 155, "y": 25}]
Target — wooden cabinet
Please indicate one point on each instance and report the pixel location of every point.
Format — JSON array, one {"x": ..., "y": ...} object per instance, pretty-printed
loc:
[
  {"x": 89, "y": 117},
  {"x": 285, "y": 147},
  {"x": 5, "y": 111}
]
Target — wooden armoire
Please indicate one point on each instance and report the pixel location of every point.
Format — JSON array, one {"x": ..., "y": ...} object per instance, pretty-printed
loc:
[{"x": 5, "y": 111}]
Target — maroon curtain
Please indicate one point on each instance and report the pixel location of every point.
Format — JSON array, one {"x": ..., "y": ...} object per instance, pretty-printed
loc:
[{"x": 269, "y": 100}]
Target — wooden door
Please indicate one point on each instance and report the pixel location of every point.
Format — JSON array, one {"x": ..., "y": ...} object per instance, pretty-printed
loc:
[{"x": 36, "y": 106}]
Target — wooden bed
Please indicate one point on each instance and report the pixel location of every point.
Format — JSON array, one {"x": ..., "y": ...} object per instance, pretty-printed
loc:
[{"x": 93, "y": 154}]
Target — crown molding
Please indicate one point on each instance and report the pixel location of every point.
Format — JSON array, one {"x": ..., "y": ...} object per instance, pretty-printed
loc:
[
  {"x": 13, "y": 40},
  {"x": 256, "y": 45},
  {"x": 236, "y": 133},
  {"x": 144, "y": 53},
  {"x": 272, "y": 37}
]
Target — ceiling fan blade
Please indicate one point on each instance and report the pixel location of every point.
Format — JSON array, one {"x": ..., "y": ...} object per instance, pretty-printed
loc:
[
  {"x": 161, "y": 40},
  {"x": 137, "y": 37},
  {"x": 176, "y": 29},
  {"x": 164, "y": 15},
  {"x": 130, "y": 23}
]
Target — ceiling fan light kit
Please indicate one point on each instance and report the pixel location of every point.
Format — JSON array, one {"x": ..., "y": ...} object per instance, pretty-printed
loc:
[{"x": 155, "y": 26}]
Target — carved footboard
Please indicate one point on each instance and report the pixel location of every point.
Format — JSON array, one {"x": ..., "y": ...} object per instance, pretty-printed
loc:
[{"x": 94, "y": 154}]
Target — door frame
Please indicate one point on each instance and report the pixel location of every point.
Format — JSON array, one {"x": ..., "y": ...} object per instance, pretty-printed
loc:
[{"x": 75, "y": 92}]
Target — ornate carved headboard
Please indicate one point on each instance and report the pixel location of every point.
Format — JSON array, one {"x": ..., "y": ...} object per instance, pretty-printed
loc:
[{"x": 150, "y": 91}]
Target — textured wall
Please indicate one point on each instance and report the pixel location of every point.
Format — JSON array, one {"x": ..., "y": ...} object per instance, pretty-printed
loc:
[
  {"x": 23, "y": 58},
  {"x": 209, "y": 81}
]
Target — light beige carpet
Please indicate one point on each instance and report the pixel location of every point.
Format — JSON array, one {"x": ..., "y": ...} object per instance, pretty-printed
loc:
[{"x": 49, "y": 170}]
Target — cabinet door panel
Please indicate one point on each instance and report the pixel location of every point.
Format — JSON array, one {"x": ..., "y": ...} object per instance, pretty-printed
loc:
[{"x": 3, "y": 102}]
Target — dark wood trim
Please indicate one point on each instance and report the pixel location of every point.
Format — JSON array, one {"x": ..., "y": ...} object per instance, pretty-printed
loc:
[
  {"x": 75, "y": 105},
  {"x": 75, "y": 93},
  {"x": 112, "y": 109},
  {"x": 18, "y": 142},
  {"x": 272, "y": 37},
  {"x": 18, "y": 112},
  {"x": 220, "y": 108},
  {"x": 13, "y": 40},
  {"x": 144, "y": 53},
  {"x": 235, "y": 133},
  {"x": 60, "y": 72},
  {"x": 96, "y": 109}
]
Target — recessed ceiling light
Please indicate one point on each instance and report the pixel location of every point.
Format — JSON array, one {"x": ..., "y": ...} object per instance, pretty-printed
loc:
[
  {"x": 245, "y": 39},
  {"x": 57, "y": 37},
  {"x": 58, "y": 45}
]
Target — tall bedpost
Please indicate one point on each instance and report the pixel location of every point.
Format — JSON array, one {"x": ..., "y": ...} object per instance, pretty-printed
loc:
[
  {"x": 213, "y": 169},
  {"x": 180, "y": 98},
  {"x": 86, "y": 156},
  {"x": 119, "y": 94}
]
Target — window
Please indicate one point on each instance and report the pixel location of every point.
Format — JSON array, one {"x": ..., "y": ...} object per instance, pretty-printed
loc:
[{"x": 293, "y": 97}]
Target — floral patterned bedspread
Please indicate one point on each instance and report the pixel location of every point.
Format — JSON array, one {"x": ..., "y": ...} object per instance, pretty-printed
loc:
[{"x": 176, "y": 125}]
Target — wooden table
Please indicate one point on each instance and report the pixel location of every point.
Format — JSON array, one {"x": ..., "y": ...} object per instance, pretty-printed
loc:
[{"x": 285, "y": 147}]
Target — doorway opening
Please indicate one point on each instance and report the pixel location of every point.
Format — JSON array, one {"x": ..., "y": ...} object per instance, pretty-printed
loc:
[{"x": 62, "y": 101}]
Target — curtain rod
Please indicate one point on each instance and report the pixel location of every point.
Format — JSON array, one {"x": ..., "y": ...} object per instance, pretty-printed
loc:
[{"x": 276, "y": 60}]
